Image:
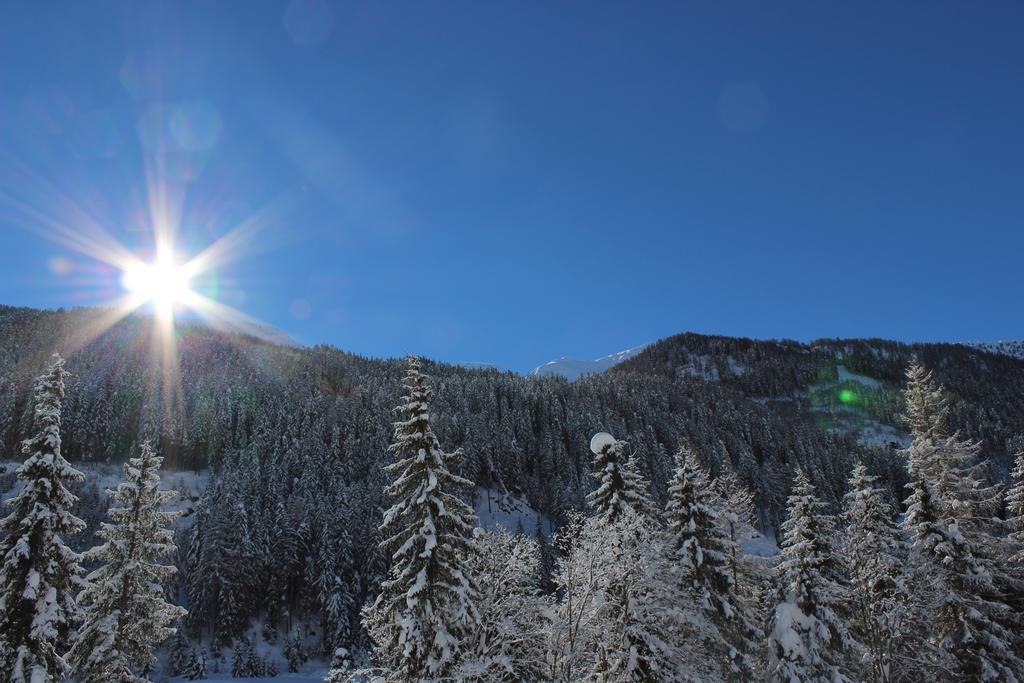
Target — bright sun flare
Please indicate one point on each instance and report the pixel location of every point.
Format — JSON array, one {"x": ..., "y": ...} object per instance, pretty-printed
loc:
[{"x": 163, "y": 282}]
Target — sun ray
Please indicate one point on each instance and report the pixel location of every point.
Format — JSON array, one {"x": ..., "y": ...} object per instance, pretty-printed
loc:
[
  {"x": 116, "y": 311},
  {"x": 62, "y": 220},
  {"x": 230, "y": 246},
  {"x": 227, "y": 319}
]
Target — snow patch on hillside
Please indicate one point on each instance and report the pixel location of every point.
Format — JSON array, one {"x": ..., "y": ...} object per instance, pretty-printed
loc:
[
  {"x": 496, "y": 508},
  {"x": 574, "y": 368},
  {"x": 760, "y": 546},
  {"x": 878, "y": 435},
  {"x": 477, "y": 365},
  {"x": 318, "y": 675},
  {"x": 699, "y": 367},
  {"x": 1014, "y": 349},
  {"x": 105, "y": 476},
  {"x": 847, "y": 376}
]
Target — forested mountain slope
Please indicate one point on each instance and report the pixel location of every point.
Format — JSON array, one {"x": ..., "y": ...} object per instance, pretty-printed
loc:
[
  {"x": 757, "y": 406},
  {"x": 860, "y": 376},
  {"x": 287, "y": 531}
]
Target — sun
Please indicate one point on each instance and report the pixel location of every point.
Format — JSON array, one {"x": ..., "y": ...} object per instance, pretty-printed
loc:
[{"x": 164, "y": 282}]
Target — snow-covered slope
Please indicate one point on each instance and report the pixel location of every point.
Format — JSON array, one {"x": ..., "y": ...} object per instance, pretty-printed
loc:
[
  {"x": 476, "y": 365},
  {"x": 1014, "y": 349},
  {"x": 496, "y": 508},
  {"x": 574, "y": 368}
]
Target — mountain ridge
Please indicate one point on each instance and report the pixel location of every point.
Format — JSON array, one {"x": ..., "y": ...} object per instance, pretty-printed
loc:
[{"x": 756, "y": 407}]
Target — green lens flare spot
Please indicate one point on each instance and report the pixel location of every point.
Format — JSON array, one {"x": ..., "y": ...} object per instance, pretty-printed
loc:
[{"x": 847, "y": 396}]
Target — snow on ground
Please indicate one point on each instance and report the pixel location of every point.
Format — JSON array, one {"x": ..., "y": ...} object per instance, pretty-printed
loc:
[
  {"x": 189, "y": 484},
  {"x": 699, "y": 367},
  {"x": 877, "y": 435},
  {"x": 478, "y": 365},
  {"x": 760, "y": 546},
  {"x": 314, "y": 675},
  {"x": 847, "y": 376},
  {"x": 1014, "y": 349},
  {"x": 494, "y": 508},
  {"x": 869, "y": 433},
  {"x": 735, "y": 367}
]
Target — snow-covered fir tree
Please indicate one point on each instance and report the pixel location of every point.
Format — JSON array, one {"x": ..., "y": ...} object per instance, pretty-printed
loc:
[
  {"x": 701, "y": 543},
  {"x": 621, "y": 614},
  {"x": 736, "y": 516},
  {"x": 125, "y": 614},
  {"x": 947, "y": 461},
  {"x": 196, "y": 669},
  {"x": 426, "y": 613},
  {"x": 620, "y": 487},
  {"x": 963, "y": 594},
  {"x": 40, "y": 574},
  {"x": 181, "y": 654},
  {"x": 808, "y": 641},
  {"x": 509, "y": 645},
  {"x": 1015, "y": 509},
  {"x": 876, "y": 555}
]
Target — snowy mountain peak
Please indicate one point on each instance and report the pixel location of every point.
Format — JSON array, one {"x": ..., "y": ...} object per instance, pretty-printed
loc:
[{"x": 574, "y": 368}]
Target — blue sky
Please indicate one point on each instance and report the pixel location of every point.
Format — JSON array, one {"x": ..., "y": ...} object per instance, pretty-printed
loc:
[{"x": 511, "y": 182}]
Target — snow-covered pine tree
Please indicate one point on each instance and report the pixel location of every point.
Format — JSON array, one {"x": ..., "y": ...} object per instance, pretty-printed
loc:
[
  {"x": 876, "y": 555},
  {"x": 736, "y": 516},
  {"x": 427, "y": 605},
  {"x": 1015, "y": 509},
  {"x": 510, "y": 643},
  {"x": 294, "y": 652},
  {"x": 620, "y": 486},
  {"x": 182, "y": 654},
  {"x": 947, "y": 461},
  {"x": 808, "y": 641},
  {"x": 197, "y": 667},
  {"x": 699, "y": 541},
  {"x": 622, "y": 615},
  {"x": 125, "y": 614},
  {"x": 241, "y": 666},
  {"x": 40, "y": 574},
  {"x": 925, "y": 404},
  {"x": 963, "y": 595}
]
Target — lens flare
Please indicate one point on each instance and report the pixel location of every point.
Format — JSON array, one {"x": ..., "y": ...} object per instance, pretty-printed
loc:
[{"x": 164, "y": 282}]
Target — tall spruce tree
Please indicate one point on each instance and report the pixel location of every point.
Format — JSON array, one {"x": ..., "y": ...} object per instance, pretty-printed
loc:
[
  {"x": 620, "y": 486},
  {"x": 963, "y": 595},
  {"x": 40, "y": 574},
  {"x": 876, "y": 554},
  {"x": 1015, "y": 509},
  {"x": 427, "y": 605},
  {"x": 701, "y": 543},
  {"x": 125, "y": 613},
  {"x": 808, "y": 640}
]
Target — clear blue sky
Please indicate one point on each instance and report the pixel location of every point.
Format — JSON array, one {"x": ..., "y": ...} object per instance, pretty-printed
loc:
[{"x": 510, "y": 182}]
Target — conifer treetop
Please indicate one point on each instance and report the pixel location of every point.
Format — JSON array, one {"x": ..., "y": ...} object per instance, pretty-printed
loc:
[
  {"x": 1015, "y": 508},
  {"x": 126, "y": 615},
  {"x": 926, "y": 404},
  {"x": 620, "y": 486},
  {"x": 39, "y": 573},
  {"x": 808, "y": 639},
  {"x": 426, "y": 608}
]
